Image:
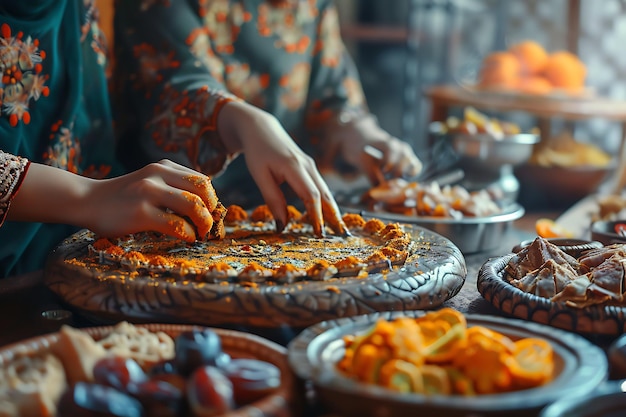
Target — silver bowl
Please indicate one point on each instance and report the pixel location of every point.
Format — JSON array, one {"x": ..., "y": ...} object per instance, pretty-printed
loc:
[
  {"x": 469, "y": 234},
  {"x": 484, "y": 150}
]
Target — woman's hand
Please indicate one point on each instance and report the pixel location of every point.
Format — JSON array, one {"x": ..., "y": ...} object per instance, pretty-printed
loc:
[
  {"x": 164, "y": 197},
  {"x": 349, "y": 141},
  {"x": 273, "y": 158}
]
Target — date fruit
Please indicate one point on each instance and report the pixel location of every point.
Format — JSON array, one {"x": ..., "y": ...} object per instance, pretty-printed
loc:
[
  {"x": 252, "y": 379},
  {"x": 118, "y": 372},
  {"x": 95, "y": 400},
  {"x": 158, "y": 398},
  {"x": 196, "y": 348},
  {"x": 209, "y": 392}
]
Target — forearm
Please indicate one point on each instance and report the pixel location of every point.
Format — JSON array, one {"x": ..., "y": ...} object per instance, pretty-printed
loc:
[{"x": 50, "y": 195}]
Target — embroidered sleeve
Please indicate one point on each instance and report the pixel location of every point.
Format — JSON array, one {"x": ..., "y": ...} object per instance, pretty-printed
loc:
[
  {"x": 171, "y": 89},
  {"x": 12, "y": 171},
  {"x": 336, "y": 95}
]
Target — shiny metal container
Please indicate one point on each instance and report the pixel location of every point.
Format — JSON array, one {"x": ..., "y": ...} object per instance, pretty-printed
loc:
[{"x": 469, "y": 234}]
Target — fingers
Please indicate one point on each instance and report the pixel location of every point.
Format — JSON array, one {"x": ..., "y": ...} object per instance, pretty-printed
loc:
[
  {"x": 171, "y": 224},
  {"x": 333, "y": 217},
  {"x": 329, "y": 209},
  {"x": 193, "y": 181},
  {"x": 306, "y": 186},
  {"x": 398, "y": 159},
  {"x": 301, "y": 175},
  {"x": 273, "y": 197}
]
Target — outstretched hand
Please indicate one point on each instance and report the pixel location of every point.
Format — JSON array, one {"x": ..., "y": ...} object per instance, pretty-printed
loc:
[
  {"x": 395, "y": 158},
  {"x": 163, "y": 197},
  {"x": 273, "y": 158}
]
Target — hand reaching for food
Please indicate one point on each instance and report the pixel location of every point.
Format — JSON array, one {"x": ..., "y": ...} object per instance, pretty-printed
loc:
[
  {"x": 350, "y": 141},
  {"x": 163, "y": 197},
  {"x": 273, "y": 158}
]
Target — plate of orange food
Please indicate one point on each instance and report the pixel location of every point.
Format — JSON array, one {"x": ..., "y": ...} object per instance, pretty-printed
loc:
[
  {"x": 443, "y": 363},
  {"x": 255, "y": 276}
]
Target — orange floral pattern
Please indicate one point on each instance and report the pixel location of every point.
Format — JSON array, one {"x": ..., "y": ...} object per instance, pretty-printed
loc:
[
  {"x": 21, "y": 78},
  {"x": 286, "y": 57}
]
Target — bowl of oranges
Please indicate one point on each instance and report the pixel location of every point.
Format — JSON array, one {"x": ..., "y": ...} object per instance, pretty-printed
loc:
[{"x": 527, "y": 68}]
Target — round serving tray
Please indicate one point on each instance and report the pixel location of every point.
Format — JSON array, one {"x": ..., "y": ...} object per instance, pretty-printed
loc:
[
  {"x": 434, "y": 272},
  {"x": 591, "y": 320},
  {"x": 285, "y": 401},
  {"x": 580, "y": 367},
  {"x": 469, "y": 234}
]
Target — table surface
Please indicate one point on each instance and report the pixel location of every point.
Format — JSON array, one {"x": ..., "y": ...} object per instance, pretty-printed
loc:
[{"x": 25, "y": 300}]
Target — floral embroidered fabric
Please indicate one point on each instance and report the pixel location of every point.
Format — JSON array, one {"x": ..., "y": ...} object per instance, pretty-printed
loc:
[
  {"x": 12, "y": 171},
  {"x": 284, "y": 56},
  {"x": 54, "y": 110},
  {"x": 22, "y": 79}
]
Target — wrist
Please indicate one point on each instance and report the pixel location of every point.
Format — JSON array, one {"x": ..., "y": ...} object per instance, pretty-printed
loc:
[{"x": 238, "y": 121}]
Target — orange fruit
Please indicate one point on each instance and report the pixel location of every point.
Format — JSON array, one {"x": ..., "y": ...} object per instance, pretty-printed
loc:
[
  {"x": 500, "y": 70},
  {"x": 535, "y": 84},
  {"x": 564, "y": 70},
  {"x": 531, "y": 55},
  {"x": 532, "y": 363},
  {"x": 548, "y": 228}
]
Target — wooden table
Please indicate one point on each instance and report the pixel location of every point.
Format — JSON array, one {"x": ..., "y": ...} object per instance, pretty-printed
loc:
[{"x": 445, "y": 97}]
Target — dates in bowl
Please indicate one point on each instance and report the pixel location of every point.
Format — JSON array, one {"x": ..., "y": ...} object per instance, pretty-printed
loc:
[{"x": 133, "y": 372}]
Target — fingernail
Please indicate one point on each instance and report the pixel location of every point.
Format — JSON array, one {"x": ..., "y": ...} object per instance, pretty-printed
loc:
[{"x": 280, "y": 225}]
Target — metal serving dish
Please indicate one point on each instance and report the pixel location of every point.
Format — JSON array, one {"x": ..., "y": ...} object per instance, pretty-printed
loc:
[
  {"x": 469, "y": 234},
  {"x": 483, "y": 148}
]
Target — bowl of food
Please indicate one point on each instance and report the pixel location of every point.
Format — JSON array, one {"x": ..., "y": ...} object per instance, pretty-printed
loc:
[
  {"x": 562, "y": 171},
  {"x": 485, "y": 143},
  {"x": 152, "y": 369},
  {"x": 571, "y": 246},
  {"x": 474, "y": 221},
  {"x": 609, "y": 232},
  {"x": 366, "y": 366},
  {"x": 544, "y": 284},
  {"x": 559, "y": 186},
  {"x": 485, "y": 151}
]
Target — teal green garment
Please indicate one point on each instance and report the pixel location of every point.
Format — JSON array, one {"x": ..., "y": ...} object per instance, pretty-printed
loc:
[{"x": 57, "y": 112}]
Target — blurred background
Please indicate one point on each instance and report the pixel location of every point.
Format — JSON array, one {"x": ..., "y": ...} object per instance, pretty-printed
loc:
[
  {"x": 401, "y": 47},
  {"x": 404, "y": 47}
]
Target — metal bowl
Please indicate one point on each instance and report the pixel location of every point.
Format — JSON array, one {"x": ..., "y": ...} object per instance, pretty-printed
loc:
[
  {"x": 609, "y": 232},
  {"x": 559, "y": 187},
  {"x": 483, "y": 150},
  {"x": 469, "y": 234}
]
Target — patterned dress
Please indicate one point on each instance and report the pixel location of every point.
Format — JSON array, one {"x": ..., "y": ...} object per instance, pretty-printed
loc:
[
  {"x": 54, "y": 109},
  {"x": 284, "y": 56},
  {"x": 177, "y": 62}
]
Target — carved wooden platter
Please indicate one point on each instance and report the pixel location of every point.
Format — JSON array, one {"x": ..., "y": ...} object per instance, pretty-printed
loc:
[
  {"x": 433, "y": 272},
  {"x": 592, "y": 320}
]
